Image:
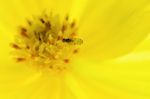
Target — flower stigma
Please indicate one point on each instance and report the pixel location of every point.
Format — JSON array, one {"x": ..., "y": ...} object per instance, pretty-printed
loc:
[{"x": 46, "y": 42}]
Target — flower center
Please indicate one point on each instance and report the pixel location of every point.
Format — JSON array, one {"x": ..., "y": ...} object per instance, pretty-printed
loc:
[{"x": 46, "y": 42}]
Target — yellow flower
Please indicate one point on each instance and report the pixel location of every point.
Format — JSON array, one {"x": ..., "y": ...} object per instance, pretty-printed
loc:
[{"x": 114, "y": 60}]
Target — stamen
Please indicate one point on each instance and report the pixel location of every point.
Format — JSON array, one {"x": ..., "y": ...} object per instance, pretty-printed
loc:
[
  {"x": 15, "y": 46},
  {"x": 67, "y": 18},
  {"x": 66, "y": 60},
  {"x": 64, "y": 27},
  {"x": 73, "y": 24},
  {"x": 24, "y": 32},
  {"x": 75, "y": 51},
  {"x": 29, "y": 22},
  {"x": 48, "y": 25},
  {"x": 48, "y": 43},
  {"x": 42, "y": 20},
  {"x": 20, "y": 59}
]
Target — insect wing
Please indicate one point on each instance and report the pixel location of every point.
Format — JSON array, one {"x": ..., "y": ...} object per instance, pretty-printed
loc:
[{"x": 78, "y": 41}]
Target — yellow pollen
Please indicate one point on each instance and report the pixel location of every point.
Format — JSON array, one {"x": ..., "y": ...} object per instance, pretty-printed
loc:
[{"x": 46, "y": 42}]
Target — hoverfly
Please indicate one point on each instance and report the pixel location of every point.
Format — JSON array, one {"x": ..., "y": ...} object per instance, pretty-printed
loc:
[{"x": 73, "y": 40}]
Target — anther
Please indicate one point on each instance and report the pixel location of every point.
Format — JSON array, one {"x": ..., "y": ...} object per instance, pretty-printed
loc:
[
  {"x": 24, "y": 32},
  {"x": 51, "y": 67},
  {"x": 67, "y": 18},
  {"x": 66, "y": 60},
  {"x": 48, "y": 25},
  {"x": 20, "y": 59},
  {"x": 75, "y": 51},
  {"x": 42, "y": 20},
  {"x": 28, "y": 47},
  {"x": 64, "y": 27},
  {"x": 15, "y": 46},
  {"x": 73, "y": 24},
  {"x": 29, "y": 22},
  {"x": 59, "y": 38}
]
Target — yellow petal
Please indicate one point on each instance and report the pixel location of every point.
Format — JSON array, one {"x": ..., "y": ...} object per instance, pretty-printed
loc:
[
  {"x": 74, "y": 86},
  {"x": 144, "y": 46},
  {"x": 77, "y": 9},
  {"x": 112, "y": 28},
  {"x": 17, "y": 81},
  {"x": 126, "y": 77}
]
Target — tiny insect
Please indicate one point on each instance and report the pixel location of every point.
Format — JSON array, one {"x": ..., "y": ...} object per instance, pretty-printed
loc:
[{"x": 74, "y": 40}]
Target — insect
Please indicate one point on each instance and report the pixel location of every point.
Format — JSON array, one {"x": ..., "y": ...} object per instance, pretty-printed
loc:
[{"x": 73, "y": 40}]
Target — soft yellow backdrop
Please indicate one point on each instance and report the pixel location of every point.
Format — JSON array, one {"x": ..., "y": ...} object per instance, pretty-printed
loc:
[{"x": 114, "y": 61}]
